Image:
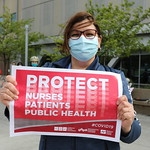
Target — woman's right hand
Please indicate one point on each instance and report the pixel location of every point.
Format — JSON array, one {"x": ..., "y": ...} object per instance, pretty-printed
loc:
[{"x": 9, "y": 92}]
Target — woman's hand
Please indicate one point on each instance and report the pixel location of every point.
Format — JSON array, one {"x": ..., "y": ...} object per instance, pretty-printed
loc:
[
  {"x": 8, "y": 92},
  {"x": 125, "y": 113}
]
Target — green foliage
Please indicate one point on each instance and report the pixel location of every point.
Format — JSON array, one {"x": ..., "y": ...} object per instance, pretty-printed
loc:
[
  {"x": 12, "y": 38},
  {"x": 120, "y": 26},
  {"x": 57, "y": 50}
]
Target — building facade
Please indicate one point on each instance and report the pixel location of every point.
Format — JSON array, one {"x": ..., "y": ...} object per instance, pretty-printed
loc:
[{"x": 49, "y": 14}]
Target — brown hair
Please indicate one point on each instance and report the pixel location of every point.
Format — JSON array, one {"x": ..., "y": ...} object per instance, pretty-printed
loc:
[{"x": 80, "y": 16}]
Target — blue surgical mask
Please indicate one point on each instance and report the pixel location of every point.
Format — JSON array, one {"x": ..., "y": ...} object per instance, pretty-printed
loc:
[
  {"x": 83, "y": 49},
  {"x": 34, "y": 64}
]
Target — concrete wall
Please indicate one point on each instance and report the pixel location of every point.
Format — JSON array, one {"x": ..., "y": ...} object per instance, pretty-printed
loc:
[{"x": 50, "y": 14}]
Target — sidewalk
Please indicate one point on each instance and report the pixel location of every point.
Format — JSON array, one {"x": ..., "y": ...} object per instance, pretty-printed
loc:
[
  {"x": 31, "y": 142},
  {"x": 26, "y": 142},
  {"x": 143, "y": 143}
]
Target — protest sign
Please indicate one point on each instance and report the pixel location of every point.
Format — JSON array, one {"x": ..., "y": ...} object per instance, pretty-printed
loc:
[{"x": 66, "y": 102}]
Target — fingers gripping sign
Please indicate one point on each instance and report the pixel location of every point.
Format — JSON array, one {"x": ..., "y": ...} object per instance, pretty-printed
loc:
[
  {"x": 8, "y": 92},
  {"x": 125, "y": 113}
]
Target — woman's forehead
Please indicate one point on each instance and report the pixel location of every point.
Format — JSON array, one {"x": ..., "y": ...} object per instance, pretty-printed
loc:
[{"x": 83, "y": 25}]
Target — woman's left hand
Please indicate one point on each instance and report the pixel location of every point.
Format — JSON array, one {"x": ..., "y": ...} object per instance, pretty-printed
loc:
[{"x": 125, "y": 113}]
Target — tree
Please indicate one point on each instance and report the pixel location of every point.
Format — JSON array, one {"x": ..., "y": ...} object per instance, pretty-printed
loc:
[
  {"x": 12, "y": 38},
  {"x": 120, "y": 26}
]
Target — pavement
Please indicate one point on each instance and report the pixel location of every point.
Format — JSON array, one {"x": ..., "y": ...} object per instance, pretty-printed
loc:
[
  {"x": 31, "y": 142},
  {"x": 25, "y": 142}
]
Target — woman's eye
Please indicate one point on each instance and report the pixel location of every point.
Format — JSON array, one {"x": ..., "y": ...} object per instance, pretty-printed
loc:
[
  {"x": 89, "y": 34},
  {"x": 75, "y": 35}
]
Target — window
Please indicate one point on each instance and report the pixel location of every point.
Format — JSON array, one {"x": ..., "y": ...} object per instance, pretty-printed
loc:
[
  {"x": 1, "y": 19},
  {"x": 130, "y": 66},
  {"x": 14, "y": 17}
]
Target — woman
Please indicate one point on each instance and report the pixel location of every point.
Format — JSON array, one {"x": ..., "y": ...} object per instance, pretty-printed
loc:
[{"x": 82, "y": 39}]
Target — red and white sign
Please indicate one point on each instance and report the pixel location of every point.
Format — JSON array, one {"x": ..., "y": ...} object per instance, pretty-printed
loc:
[{"x": 66, "y": 102}]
